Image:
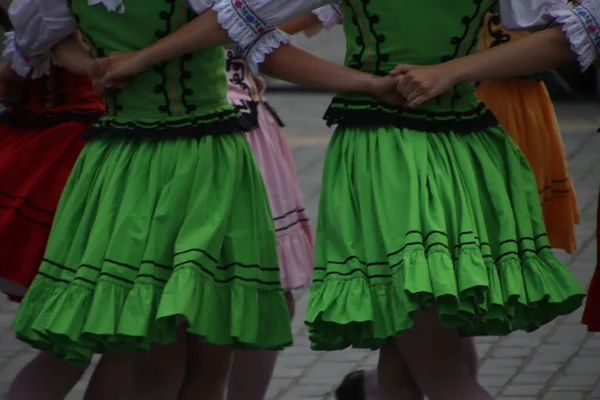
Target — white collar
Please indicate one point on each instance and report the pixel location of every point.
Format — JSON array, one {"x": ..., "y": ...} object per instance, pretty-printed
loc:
[{"x": 111, "y": 5}]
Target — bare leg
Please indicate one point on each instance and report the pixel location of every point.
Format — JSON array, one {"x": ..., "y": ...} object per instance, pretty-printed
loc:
[
  {"x": 159, "y": 374},
  {"x": 45, "y": 377},
  {"x": 110, "y": 377},
  {"x": 208, "y": 370},
  {"x": 435, "y": 357},
  {"x": 395, "y": 379},
  {"x": 404, "y": 376},
  {"x": 252, "y": 370}
]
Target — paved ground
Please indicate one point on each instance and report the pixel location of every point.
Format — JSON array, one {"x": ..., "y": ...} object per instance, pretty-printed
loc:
[{"x": 558, "y": 362}]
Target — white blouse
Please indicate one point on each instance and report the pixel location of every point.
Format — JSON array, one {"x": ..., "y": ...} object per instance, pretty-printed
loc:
[
  {"x": 329, "y": 16},
  {"x": 41, "y": 24},
  {"x": 580, "y": 23}
]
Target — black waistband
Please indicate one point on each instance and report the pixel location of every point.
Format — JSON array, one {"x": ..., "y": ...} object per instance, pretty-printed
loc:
[{"x": 349, "y": 113}]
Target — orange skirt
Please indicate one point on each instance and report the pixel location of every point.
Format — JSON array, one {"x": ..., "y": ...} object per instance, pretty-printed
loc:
[{"x": 524, "y": 108}]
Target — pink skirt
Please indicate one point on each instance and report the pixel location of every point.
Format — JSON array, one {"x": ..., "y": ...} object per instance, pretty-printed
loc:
[{"x": 295, "y": 242}]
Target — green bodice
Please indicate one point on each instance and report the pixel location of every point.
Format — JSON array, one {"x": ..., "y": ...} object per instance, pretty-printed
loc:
[
  {"x": 381, "y": 34},
  {"x": 186, "y": 94}
]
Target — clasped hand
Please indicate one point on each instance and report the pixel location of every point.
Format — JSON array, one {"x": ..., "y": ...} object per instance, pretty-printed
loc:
[{"x": 405, "y": 86}]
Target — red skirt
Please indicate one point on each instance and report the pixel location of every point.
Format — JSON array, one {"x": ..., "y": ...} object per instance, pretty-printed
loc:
[
  {"x": 35, "y": 163},
  {"x": 591, "y": 314}
]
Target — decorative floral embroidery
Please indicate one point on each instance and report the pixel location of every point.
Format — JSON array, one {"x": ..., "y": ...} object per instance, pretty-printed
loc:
[
  {"x": 251, "y": 19},
  {"x": 592, "y": 25}
]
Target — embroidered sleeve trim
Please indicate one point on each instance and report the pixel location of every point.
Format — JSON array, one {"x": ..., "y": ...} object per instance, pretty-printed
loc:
[{"x": 582, "y": 29}]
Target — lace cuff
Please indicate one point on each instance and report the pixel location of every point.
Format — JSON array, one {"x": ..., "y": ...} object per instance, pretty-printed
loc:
[
  {"x": 581, "y": 26},
  {"x": 23, "y": 65},
  {"x": 253, "y": 36},
  {"x": 329, "y": 16}
]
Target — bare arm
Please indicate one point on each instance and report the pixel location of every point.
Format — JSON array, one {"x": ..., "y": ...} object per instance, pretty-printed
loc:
[
  {"x": 534, "y": 53},
  {"x": 300, "y": 23},
  {"x": 541, "y": 50},
  {"x": 73, "y": 55},
  {"x": 286, "y": 62},
  {"x": 293, "y": 64}
]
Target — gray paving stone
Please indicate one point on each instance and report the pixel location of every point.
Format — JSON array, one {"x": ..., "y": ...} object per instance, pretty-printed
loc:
[
  {"x": 583, "y": 381},
  {"x": 522, "y": 390},
  {"x": 584, "y": 366},
  {"x": 563, "y": 396}
]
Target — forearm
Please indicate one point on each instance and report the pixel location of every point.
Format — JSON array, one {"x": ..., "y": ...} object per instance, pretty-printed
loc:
[
  {"x": 292, "y": 64},
  {"x": 72, "y": 55},
  {"x": 203, "y": 31},
  {"x": 541, "y": 50},
  {"x": 300, "y": 23},
  {"x": 224, "y": 24}
]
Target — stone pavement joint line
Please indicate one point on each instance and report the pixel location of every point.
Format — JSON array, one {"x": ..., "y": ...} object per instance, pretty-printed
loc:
[{"x": 560, "y": 361}]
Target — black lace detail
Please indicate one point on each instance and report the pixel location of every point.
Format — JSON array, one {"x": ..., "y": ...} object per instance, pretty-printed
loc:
[
  {"x": 356, "y": 58},
  {"x": 457, "y": 41},
  {"x": 221, "y": 123},
  {"x": 160, "y": 69},
  {"x": 495, "y": 31},
  {"x": 236, "y": 73},
  {"x": 361, "y": 113},
  {"x": 186, "y": 75},
  {"x": 379, "y": 39},
  {"x": 236, "y": 67},
  {"x": 501, "y": 36}
]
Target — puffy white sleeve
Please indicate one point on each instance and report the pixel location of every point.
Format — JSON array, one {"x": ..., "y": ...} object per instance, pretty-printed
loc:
[
  {"x": 581, "y": 25},
  {"x": 329, "y": 16},
  {"x": 38, "y": 26},
  {"x": 529, "y": 14},
  {"x": 199, "y": 6},
  {"x": 252, "y": 24}
]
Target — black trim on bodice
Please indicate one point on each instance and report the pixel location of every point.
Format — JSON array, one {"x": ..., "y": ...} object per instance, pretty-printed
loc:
[
  {"x": 354, "y": 113},
  {"x": 457, "y": 41},
  {"x": 357, "y": 61},
  {"x": 170, "y": 124},
  {"x": 222, "y": 123}
]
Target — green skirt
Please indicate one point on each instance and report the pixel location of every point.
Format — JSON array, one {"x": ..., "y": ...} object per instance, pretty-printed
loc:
[
  {"x": 409, "y": 219},
  {"x": 152, "y": 232}
]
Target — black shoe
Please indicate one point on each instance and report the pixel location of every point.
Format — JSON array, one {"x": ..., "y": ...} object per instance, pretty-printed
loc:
[{"x": 352, "y": 386}]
